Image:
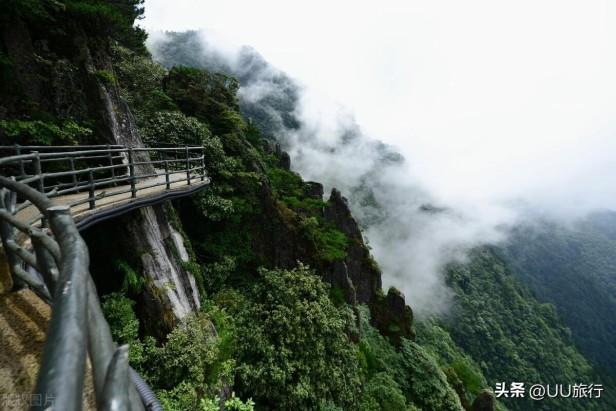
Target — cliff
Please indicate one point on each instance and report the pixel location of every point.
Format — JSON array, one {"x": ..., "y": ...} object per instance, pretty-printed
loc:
[
  {"x": 61, "y": 80},
  {"x": 258, "y": 285}
]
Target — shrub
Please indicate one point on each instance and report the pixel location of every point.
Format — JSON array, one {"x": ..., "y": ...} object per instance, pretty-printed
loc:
[
  {"x": 140, "y": 81},
  {"x": 411, "y": 372},
  {"x": 173, "y": 127},
  {"x": 211, "y": 97},
  {"x": 382, "y": 393},
  {"x": 292, "y": 344},
  {"x": 37, "y": 132},
  {"x": 331, "y": 243},
  {"x": 121, "y": 317},
  {"x": 106, "y": 77},
  {"x": 132, "y": 281},
  {"x": 231, "y": 404}
]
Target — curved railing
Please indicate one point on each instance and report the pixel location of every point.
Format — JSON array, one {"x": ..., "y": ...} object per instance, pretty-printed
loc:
[
  {"x": 50, "y": 244},
  {"x": 102, "y": 171}
]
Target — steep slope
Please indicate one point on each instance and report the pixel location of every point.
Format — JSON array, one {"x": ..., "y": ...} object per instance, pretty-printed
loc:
[
  {"x": 514, "y": 338},
  {"x": 279, "y": 297},
  {"x": 574, "y": 268},
  {"x": 499, "y": 331},
  {"x": 260, "y": 223},
  {"x": 58, "y": 87},
  {"x": 75, "y": 72}
]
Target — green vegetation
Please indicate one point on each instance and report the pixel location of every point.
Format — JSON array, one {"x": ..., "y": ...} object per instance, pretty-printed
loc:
[
  {"x": 461, "y": 370},
  {"x": 286, "y": 340},
  {"x": 574, "y": 269},
  {"x": 289, "y": 188},
  {"x": 120, "y": 314},
  {"x": 231, "y": 404},
  {"x": 141, "y": 83},
  {"x": 190, "y": 368},
  {"x": 132, "y": 281},
  {"x": 409, "y": 374},
  {"x": 110, "y": 18},
  {"x": 106, "y": 77},
  {"x": 173, "y": 127},
  {"x": 39, "y": 132},
  {"x": 330, "y": 242},
  {"x": 270, "y": 329},
  {"x": 514, "y": 338},
  {"x": 211, "y": 97},
  {"x": 298, "y": 354}
]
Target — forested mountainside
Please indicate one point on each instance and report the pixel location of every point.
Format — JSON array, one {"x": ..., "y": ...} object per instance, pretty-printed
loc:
[
  {"x": 259, "y": 292},
  {"x": 499, "y": 330},
  {"x": 574, "y": 268}
]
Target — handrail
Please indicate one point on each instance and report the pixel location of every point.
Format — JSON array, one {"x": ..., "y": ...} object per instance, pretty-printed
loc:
[
  {"x": 59, "y": 257},
  {"x": 77, "y": 326},
  {"x": 58, "y": 172}
]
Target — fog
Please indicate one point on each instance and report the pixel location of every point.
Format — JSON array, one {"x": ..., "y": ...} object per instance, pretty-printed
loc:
[{"x": 500, "y": 109}]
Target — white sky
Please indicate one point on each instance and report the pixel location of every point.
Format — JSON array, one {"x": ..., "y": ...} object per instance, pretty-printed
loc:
[{"x": 488, "y": 99}]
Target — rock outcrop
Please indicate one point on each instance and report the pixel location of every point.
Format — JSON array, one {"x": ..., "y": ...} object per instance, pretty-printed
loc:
[
  {"x": 360, "y": 278},
  {"x": 484, "y": 401},
  {"x": 170, "y": 291},
  {"x": 359, "y": 266},
  {"x": 75, "y": 79}
]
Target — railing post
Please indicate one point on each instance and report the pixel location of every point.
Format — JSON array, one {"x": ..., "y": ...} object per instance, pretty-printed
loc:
[
  {"x": 202, "y": 163},
  {"x": 92, "y": 197},
  {"x": 187, "y": 165},
  {"x": 38, "y": 171},
  {"x": 110, "y": 157},
  {"x": 7, "y": 231},
  {"x": 131, "y": 170},
  {"x": 22, "y": 170},
  {"x": 167, "y": 174},
  {"x": 72, "y": 162}
]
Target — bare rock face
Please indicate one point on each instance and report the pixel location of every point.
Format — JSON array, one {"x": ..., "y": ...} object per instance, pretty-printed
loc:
[
  {"x": 285, "y": 160},
  {"x": 339, "y": 278},
  {"x": 171, "y": 292},
  {"x": 361, "y": 269},
  {"x": 392, "y": 316},
  {"x": 339, "y": 214}
]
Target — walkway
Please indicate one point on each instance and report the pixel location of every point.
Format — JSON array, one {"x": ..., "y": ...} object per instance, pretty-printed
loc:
[{"x": 69, "y": 188}]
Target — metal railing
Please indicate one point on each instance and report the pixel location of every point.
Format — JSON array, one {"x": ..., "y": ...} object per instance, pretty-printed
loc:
[
  {"x": 52, "y": 259},
  {"x": 65, "y": 170}
]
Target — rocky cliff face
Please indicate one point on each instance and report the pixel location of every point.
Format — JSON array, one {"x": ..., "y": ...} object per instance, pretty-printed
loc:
[
  {"x": 171, "y": 291},
  {"x": 360, "y": 277},
  {"x": 283, "y": 243},
  {"x": 357, "y": 266},
  {"x": 71, "y": 76}
]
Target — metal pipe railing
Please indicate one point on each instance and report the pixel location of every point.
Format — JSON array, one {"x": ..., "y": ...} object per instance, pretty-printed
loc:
[
  {"x": 59, "y": 256},
  {"x": 77, "y": 325},
  {"x": 64, "y": 170}
]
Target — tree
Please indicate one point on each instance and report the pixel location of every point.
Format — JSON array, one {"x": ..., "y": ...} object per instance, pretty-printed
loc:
[
  {"x": 211, "y": 97},
  {"x": 294, "y": 351}
]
